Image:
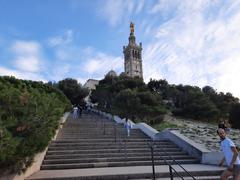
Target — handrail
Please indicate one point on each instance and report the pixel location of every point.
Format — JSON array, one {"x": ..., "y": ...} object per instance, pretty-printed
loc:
[
  {"x": 122, "y": 142},
  {"x": 170, "y": 165},
  {"x": 171, "y": 175}
]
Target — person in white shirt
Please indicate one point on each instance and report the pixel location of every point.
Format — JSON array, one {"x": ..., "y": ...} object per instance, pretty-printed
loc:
[
  {"x": 128, "y": 126},
  {"x": 230, "y": 157},
  {"x": 75, "y": 112}
]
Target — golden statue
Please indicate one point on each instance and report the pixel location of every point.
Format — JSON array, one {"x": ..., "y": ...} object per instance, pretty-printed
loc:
[{"x": 131, "y": 27}]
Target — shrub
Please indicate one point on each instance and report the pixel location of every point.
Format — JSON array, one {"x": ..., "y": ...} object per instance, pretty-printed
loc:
[{"x": 29, "y": 115}]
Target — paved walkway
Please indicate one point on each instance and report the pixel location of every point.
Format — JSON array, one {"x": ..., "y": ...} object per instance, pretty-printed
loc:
[{"x": 113, "y": 171}]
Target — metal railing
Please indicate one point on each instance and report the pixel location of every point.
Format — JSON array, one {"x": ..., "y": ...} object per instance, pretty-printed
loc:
[
  {"x": 152, "y": 146},
  {"x": 122, "y": 141},
  {"x": 117, "y": 136}
]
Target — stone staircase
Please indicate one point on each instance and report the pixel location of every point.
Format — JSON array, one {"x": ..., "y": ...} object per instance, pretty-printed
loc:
[{"x": 93, "y": 147}]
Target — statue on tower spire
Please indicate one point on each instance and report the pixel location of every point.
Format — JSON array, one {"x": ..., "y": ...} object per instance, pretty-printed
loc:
[{"x": 131, "y": 28}]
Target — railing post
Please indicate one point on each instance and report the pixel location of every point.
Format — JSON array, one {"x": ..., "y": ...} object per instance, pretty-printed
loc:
[
  {"x": 170, "y": 171},
  {"x": 115, "y": 132},
  {"x": 153, "y": 166},
  {"x": 125, "y": 149},
  {"x": 103, "y": 127}
]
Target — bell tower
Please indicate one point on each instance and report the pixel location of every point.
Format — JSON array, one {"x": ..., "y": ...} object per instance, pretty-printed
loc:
[{"x": 133, "y": 56}]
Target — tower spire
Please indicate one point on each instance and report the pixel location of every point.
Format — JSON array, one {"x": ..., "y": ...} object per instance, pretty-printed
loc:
[
  {"x": 133, "y": 56},
  {"x": 131, "y": 28},
  {"x": 132, "y": 37}
]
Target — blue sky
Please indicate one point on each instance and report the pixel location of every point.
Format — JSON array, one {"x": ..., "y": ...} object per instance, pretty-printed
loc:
[{"x": 194, "y": 42}]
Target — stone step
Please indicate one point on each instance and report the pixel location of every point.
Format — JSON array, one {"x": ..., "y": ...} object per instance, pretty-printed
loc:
[
  {"x": 57, "y": 144},
  {"x": 112, "y": 164},
  {"x": 113, "y": 159},
  {"x": 99, "y": 151},
  {"x": 107, "y": 155},
  {"x": 88, "y": 145},
  {"x": 99, "y": 136},
  {"x": 92, "y": 124},
  {"x": 111, "y": 146},
  {"x": 185, "y": 178},
  {"x": 94, "y": 127},
  {"x": 123, "y": 173},
  {"x": 103, "y": 140},
  {"x": 101, "y": 133}
]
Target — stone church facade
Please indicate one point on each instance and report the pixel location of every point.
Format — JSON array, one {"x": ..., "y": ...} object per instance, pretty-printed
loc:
[{"x": 133, "y": 56}]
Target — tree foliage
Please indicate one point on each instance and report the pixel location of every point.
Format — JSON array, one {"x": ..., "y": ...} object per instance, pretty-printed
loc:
[
  {"x": 29, "y": 115},
  {"x": 73, "y": 90},
  {"x": 132, "y": 97},
  {"x": 234, "y": 118},
  {"x": 128, "y": 97},
  {"x": 191, "y": 101}
]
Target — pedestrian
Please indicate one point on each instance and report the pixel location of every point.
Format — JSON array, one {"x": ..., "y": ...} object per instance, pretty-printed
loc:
[
  {"x": 75, "y": 112},
  {"x": 79, "y": 110},
  {"x": 224, "y": 125},
  {"x": 128, "y": 126},
  {"x": 230, "y": 157}
]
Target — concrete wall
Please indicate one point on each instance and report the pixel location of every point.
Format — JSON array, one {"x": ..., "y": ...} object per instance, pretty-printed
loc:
[
  {"x": 35, "y": 167},
  {"x": 194, "y": 149},
  {"x": 148, "y": 130},
  {"x": 117, "y": 119}
]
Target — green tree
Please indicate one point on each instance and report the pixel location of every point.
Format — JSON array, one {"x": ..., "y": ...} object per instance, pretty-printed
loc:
[
  {"x": 234, "y": 117},
  {"x": 73, "y": 90},
  {"x": 126, "y": 103},
  {"x": 29, "y": 115}
]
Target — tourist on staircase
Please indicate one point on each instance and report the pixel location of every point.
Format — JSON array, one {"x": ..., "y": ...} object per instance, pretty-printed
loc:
[
  {"x": 75, "y": 112},
  {"x": 128, "y": 126},
  {"x": 79, "y": 110}
]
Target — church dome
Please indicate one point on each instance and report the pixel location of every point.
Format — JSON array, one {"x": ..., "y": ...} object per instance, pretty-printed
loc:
[{"x": 111, "y": 73}]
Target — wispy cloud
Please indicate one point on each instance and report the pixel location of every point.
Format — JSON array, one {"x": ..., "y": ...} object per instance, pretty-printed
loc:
[
  {"x": 27, "y": 56},
  {"x": 65, "y": 38},
  {"x": 59, "y": 72},
  {"x": 26, "y": 47},
  {"x": 116, "y": 11},
  {"x": 140, "y": 6},
  {"x": 21, "y": 75},
  {"x": 100, "y": 63},
  {"x": 197, "y": 46}
]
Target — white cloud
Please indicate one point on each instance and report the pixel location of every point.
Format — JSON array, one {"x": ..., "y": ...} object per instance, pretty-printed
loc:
[
  {"x": 198, "y": 45},
  {"x": 65, "y": 38},
  {"x": 59, "y": 72},
  {"x": 140, "y": 6},
  {"x": 116, "y": 11},
  {"x": 82, "y": 80},
  {"x": 27, "y": 56},
  {"x": 28, "y": 63},
  {"x": 101, "y": 63},
  {"x": 26, "y": 47},
  {"x": 21, "y": 75}
]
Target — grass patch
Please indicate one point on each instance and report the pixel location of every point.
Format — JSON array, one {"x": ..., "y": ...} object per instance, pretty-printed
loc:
[{"x": 163, "y": 125}]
